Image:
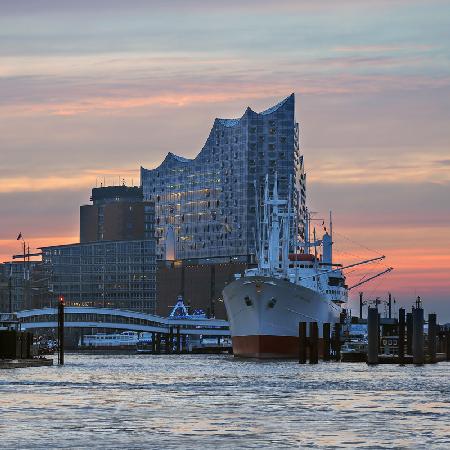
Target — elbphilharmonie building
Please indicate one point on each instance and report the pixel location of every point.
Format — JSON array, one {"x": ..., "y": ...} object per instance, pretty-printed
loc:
[{"x": 205, "y": 208}]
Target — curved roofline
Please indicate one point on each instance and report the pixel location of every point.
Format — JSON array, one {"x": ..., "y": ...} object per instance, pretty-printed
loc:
[
  {"x": 228, "y": 123},
  {"x": 272, "y": 109}
]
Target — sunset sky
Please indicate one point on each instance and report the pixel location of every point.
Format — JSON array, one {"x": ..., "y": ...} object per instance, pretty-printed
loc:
[{"x": 95, "y": 89}]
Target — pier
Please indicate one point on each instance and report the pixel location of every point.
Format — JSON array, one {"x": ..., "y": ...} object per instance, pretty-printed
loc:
[
  {"x": 408, "y": 339},
  {"x": 16, "y": 346}
]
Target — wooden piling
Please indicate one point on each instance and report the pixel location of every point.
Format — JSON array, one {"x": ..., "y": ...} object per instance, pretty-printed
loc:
[
  {"x": 302, "y": 342},
  {"x": 372, "y": 334},
  {"x": 313, "y": 343},
  {"x": 401, "y": 335},
  {"x": 417, "y": 341},
  {"x": 337, "y": 341},
  {"x": 432, "y": 329},
  {"x": 326, "y": 341},
  {"x": 409, "y": 333},
  {"x": 61, "y": 331}
]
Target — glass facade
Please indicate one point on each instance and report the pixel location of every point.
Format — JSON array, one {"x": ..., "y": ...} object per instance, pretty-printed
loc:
[
  {"x": 26, "y": 284},
  {"x": 207, "y": 205},
  {"x": 114, "y": 274}
]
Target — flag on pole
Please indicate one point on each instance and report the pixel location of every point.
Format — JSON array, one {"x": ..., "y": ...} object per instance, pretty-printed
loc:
[{"x": 19, "y": 237}]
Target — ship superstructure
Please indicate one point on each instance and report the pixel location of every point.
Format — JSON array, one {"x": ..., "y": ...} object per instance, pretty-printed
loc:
[{"x": 295, "y": 280}]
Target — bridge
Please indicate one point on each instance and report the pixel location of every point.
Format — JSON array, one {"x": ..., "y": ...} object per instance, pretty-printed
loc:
[{"x": 117, "y": 319}]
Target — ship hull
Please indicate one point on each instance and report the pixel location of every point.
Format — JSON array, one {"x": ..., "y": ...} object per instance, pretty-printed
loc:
[{"x": 264, "y": 313}]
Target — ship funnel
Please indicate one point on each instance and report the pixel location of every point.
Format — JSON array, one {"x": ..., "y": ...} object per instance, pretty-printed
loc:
[{"x": 327, "y": 244}]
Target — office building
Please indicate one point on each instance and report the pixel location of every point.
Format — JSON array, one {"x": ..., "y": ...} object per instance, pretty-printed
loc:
[
  {"x": 23, "y": 285},
  {"x": 113, "y": 274},
  {"x": 117, "y": 213}
]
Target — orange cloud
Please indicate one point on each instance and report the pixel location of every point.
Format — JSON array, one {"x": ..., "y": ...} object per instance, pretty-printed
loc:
[{"x": 85, "y": 179}]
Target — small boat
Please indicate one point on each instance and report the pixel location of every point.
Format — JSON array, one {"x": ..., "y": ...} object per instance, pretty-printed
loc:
[
  {"x": 355, "y": 347},
  {"x": 354, "y": 350}
]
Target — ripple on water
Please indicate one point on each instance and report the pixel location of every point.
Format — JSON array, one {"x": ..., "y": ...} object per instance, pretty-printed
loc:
[{"x": 216, "y": 401}]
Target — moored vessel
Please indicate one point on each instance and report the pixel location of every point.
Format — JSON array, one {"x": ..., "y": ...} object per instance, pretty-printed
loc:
[{"x": 295, "y": 281}]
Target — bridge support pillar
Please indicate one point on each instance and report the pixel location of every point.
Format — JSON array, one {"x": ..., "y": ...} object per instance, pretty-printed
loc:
[
  {"x": 178, "y": 340},
  {"x": 158, "y": 343},
  {"x": 184, "y": 347}
]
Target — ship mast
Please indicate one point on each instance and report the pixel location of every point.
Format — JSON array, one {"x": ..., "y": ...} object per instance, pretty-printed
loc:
[
  {"x": 307, "y": 221},
  {"x": 264, "y": 263},
  {"x": 274, "y": 237}
]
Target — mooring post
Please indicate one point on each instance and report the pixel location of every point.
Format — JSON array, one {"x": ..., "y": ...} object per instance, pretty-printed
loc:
[
  {"x": 337, "y": 341},
  {"x": 313, "y": 342},
  {"x": 61, "y": 330},
  {"x": 302, "y": 342},
  {"x": 401, "y": 335},
  {"x": 326, "y": 341},
  {"x": 178, "y": 340},
  {"x": 432, "y": 329},
  {"x": 372, "y": 334},
  {"x": 409, "y": 333},
  {"x": 440, "y": 339},
  {"x": 418, "y": 342}
]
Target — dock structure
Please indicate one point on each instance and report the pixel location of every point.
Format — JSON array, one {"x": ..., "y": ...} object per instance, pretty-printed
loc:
[
  {"x": 16, "y": 346},
  {"x": 408, "y": 339},
  {"x": 413, "y": 348},
  {"x": 401, "y": 335},
  {"x": 311, "y": 347},
  {"x": 303, "y": 343},
  {"x": 326, "y": 341},
  {"x": 432, "y": 332},
  {"x": 373, "y": 328},
  {"x": 61, "y": 331},
  {"x": 313, "y": 343},
  {"x": 418, "y": 338}
]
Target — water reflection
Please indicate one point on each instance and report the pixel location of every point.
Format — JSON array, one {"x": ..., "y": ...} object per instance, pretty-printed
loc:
[{"x": 211, "y": 401}]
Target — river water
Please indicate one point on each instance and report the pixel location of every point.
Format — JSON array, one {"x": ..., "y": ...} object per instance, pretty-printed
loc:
[{"x": 164, "y": 402}]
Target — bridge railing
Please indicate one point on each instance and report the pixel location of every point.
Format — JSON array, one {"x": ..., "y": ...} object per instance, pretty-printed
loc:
[{"x": 89, "y": 317}]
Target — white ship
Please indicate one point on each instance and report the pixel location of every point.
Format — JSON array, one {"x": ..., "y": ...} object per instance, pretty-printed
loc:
[
  {"x": 292, "y": 283},
  {"x": 124, "y": 340}
]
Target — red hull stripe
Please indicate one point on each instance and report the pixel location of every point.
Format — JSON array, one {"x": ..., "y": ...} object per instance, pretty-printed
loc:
[{"x": 266, "y": 346}]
